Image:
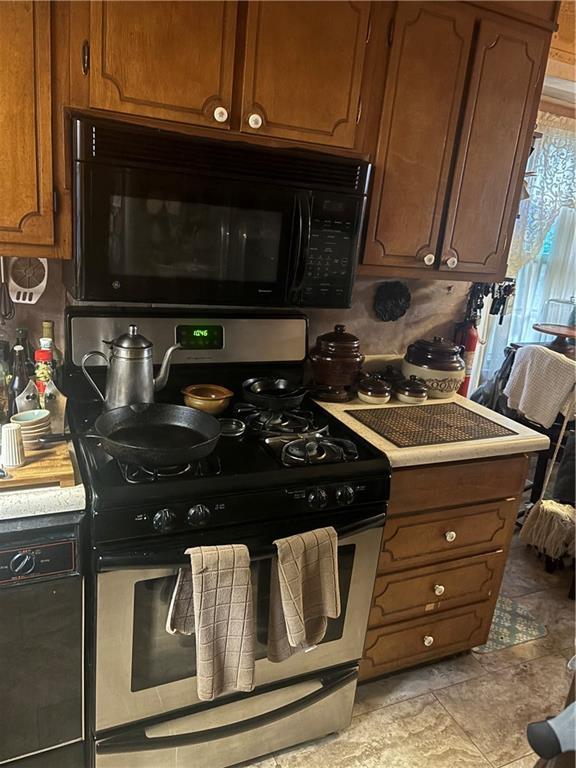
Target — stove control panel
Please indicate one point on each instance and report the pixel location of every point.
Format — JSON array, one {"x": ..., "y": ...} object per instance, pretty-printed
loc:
[{"x": 189, "y": 514}]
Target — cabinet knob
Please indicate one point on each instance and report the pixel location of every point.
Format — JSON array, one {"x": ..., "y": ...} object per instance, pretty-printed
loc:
[
  {"x": 452, "y": 262},
  {"x": 429, "y": 259},
  {"x": 439, "y": 590},
  {"x": 220, "y": 114},
  {"x": 450, "y": 536},
  {"x": 428, "y": 640},
  {"x": 255, "y": 121}
]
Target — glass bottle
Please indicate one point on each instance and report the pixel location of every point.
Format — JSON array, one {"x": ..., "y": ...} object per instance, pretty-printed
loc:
[
  {"x": 48, "y": 333},
  {"x": 19, "y": 380},
  {"x": 44, "y": 365},
  {"x": 4, "y": 374},
  {"x": 23, "y": 340}
]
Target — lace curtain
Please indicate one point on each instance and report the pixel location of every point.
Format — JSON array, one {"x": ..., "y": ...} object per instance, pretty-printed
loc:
[
  {"x": 543, "y": 251},
  {"x": 551, "y": 187}
]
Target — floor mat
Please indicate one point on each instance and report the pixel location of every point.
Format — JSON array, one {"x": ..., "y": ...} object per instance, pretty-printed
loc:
[{"x": 511, "y": 625}]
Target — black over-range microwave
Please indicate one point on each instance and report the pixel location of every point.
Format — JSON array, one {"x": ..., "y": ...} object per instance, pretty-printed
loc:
[{"x": 161, "y": 217}]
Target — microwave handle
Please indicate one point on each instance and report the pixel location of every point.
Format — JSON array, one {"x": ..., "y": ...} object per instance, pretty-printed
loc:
[
  {"x": 116, "y": 561},
  {"x": 137, "y": 740},
  {"x": 304, "y": 213}
]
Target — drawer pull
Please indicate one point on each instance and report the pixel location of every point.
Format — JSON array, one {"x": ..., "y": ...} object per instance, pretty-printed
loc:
[
  {"x": 428, "y": 640},
  {"x": 439, "y": 590},
  {"x": 450, "y": 536}
]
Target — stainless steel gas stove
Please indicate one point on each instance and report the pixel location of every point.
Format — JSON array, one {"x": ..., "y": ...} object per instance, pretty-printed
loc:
[{"x": 273, "y": 473}]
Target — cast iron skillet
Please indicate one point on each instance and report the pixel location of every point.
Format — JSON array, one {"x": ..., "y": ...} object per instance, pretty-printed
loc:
[
  {"x": 273, "y": 394},
  {"x": 153, "y": 434}
]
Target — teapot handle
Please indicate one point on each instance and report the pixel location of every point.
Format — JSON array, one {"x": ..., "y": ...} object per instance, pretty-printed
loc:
[{"x": 85, "y": 372}]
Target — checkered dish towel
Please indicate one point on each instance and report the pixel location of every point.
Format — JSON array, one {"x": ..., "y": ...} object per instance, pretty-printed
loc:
[
  {"x": 213, "y": 598},
  {"x": 304, "y": 592},
  {"x": 540, "y": 384}
]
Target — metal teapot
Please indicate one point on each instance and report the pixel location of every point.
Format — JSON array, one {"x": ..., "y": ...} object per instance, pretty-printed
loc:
[{"x": 130, "y": 376}]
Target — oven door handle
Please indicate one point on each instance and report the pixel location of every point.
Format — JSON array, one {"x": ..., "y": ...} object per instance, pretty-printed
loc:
[
  {"x": 137, "y": 740},
  {"x": 117, "y": 561}
]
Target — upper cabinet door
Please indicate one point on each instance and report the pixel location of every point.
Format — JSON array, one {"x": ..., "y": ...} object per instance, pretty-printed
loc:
[
  {"x": 170, "y": 60},
  {"x": 424, "y": 90},
  {"x": 26, "y": 192},
  {"x": 303, "y": 70},
  {"x": 496, "y": 135}
]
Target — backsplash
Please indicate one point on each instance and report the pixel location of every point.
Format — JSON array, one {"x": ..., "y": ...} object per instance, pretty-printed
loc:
[{"x": 435, "y": 307}]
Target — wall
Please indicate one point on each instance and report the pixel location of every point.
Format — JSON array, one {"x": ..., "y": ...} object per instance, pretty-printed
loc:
[
  {"x": 562, "y": 56},
  {"x": 435, "y": 307}
]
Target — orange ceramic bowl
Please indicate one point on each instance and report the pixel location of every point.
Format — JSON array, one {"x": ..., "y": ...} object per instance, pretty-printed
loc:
[{"x": 210, "y": 398}]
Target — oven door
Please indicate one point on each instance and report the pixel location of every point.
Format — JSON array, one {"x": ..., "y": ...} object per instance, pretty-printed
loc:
[
  {"x": 159, "y": 236},
  {"x": 142, "y": 671}
]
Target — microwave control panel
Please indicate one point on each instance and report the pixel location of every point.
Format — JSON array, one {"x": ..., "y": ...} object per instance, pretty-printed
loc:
[{"x": 331, "y": 256}]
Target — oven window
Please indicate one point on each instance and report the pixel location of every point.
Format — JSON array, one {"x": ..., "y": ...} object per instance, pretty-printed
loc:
[
  {"x": 159, "y": 658},
  {"x": 150, "y": 237}
]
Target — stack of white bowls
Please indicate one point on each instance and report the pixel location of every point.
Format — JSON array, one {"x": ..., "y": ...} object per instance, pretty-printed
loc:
[{"x": 34, "y": 425}]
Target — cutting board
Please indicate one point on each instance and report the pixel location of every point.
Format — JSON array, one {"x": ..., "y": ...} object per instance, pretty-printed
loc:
[{"x": 51, "y": 466}]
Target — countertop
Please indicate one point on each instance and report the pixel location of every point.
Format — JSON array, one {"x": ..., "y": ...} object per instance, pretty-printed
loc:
[
  {"x": 524, "y": 441},
  {"x": 43, "y": 500}
]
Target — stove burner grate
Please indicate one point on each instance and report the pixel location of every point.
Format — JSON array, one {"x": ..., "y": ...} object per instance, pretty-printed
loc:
[
  {"x": 317, "y": 450},
  {"x": 267, "y": 423},
  {"x": 209, "y": 466}
]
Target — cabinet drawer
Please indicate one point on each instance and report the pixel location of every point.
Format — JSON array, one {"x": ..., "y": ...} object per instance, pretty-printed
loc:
[
  {"x": 407, "y": 594},
  {"x": 435, "y": 486},
  {"x": 432, "y": 537},
  {"x": 414, "y": 642}
]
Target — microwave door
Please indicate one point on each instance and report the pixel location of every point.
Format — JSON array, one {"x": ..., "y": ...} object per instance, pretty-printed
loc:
[{"x": 174, "y": 237}]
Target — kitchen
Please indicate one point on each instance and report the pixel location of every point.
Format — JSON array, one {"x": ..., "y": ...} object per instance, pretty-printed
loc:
[{"x": 254, "y": 227}]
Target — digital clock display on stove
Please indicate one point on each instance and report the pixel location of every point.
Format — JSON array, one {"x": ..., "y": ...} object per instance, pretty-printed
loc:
[{"x": 200, "y": 336}]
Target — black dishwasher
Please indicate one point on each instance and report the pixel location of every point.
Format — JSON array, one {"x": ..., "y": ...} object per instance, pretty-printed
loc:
[{"x": 41, "y": 642}]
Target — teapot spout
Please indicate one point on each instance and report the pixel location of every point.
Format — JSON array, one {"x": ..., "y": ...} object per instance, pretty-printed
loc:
[{"x": 162, "y": 378}]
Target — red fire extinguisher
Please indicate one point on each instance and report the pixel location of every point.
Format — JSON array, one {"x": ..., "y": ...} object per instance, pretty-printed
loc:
[{"x": 467, "y": 337}]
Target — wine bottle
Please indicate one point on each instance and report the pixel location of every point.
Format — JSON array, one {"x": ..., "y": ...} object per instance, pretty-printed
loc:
[{"x": 19, "y": 379}]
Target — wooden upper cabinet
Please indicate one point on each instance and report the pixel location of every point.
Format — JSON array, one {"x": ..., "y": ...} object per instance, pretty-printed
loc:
[
  {"x": 169, "y": 60},
  {"x": 26, "y": 191},
  {"x": 303, "y": 70},
  {"x": 496, "y": 133},
  {"x": 424, "y": 90}
]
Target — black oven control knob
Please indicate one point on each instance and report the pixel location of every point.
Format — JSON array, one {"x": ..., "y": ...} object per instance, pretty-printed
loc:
[
  {"x": 198, "y": 516},
  {"x": 317, "y": 498},
  {"x": 345, "y": 495},
  {"x": 164, "y": 520},
  {"x": 22, "y": 564}
]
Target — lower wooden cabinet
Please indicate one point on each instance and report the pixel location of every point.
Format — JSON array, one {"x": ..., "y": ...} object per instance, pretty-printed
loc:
[
  {"x": 414, "y": 642},
  {"x": 437, "y": 536},
  {"x": 400, "y": 596},
  {"x": 441, "y": 566}
]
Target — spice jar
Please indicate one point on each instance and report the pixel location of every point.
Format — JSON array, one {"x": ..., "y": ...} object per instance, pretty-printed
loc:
[
  {"x": 412, "y": 390},
  {"x": 374, "y": 389}
]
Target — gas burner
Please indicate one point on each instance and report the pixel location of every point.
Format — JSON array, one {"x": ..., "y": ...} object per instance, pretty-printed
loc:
[
  {"x": 135, "y": 475},
  {"x": 313, "y": 449},
  {"x": 268, "y": 423}
]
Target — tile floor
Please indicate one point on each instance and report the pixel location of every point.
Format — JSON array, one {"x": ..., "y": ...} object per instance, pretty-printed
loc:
[{"x": 469, "y": 711}]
